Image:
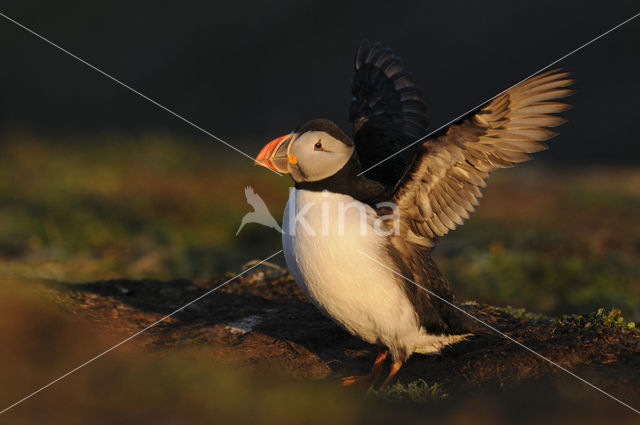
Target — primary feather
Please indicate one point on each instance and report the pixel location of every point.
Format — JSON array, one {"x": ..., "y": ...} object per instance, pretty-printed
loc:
[{"x": 443, "y": 183}]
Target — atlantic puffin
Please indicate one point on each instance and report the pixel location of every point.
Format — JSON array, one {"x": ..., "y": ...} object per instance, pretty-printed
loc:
[{"x": 332, "y": 227}]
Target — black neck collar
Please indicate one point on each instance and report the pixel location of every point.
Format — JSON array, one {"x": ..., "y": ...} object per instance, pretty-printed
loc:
[{"x": 347, "y": 181}]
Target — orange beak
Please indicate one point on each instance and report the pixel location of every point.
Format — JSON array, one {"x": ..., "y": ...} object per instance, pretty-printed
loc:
[{"x": 275, "y": 154}]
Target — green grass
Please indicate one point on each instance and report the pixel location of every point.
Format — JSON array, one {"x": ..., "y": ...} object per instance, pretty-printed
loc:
[
  {"x": 552, "y": 241},
  {"x": 417, "y": 391},
  {"x": 546, "y": 283},
  {"x": 153, "y": 206},
  {"x": 555, "y": 239},
  {"x": 149, "y": 206},
  {"x": 601, "y": 317}
]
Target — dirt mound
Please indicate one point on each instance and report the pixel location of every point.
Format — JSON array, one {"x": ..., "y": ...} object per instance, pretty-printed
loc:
[{"x": 263, "y": 319}]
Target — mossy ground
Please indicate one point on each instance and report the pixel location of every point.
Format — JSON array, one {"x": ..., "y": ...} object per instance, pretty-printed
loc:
[{"x": 560, "y": 242}]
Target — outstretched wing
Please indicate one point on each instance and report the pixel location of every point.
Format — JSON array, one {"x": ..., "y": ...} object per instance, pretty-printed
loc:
[
  {"x": 387, "y": 112},
  {"x": 443, "y": 184}
]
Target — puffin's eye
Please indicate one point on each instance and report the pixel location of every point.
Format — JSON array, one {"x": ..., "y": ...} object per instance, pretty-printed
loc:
[{"x": 317, "y": 146}]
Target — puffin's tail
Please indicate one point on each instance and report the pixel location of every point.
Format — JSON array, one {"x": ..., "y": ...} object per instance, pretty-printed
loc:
[{"x": 470, "y": 323}]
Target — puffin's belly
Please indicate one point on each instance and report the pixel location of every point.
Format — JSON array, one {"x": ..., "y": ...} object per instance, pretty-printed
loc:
[{"x": 324, "y": 259}]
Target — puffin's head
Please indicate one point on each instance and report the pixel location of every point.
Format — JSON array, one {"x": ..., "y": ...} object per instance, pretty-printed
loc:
[{"x": 316, "y": 150}]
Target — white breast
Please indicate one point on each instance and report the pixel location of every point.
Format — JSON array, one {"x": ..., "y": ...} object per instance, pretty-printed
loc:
[{"x": 322, "y": 235}]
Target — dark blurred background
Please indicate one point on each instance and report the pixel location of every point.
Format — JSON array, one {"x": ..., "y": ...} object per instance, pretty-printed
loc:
[{"x": 248, "y": 71}]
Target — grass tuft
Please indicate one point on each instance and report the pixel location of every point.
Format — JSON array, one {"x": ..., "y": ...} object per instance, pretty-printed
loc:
[
  {"x": 417, "y": 392},
  {"x": 601, "y": 317}
]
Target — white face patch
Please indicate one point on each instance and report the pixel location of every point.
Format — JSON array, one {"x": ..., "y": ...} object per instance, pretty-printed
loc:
[{"x": 318, "y": 155}]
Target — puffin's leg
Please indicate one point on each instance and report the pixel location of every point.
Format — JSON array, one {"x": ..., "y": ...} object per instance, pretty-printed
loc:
[
  {"x": 395, "y": 367},
  {"x": 373, "y": 377},
  {"x": 376, "y": 371}
]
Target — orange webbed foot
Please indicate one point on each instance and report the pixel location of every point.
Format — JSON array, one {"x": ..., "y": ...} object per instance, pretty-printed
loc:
[{"x": 365, "y": 381}]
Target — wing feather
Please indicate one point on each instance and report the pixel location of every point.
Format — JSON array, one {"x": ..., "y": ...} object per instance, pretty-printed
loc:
[
  {"x": 387, "y": 112},
  {"x": 443, "y": 183}
]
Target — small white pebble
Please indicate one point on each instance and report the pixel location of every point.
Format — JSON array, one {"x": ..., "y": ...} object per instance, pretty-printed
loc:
[{"x": 244, "y": 325}]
